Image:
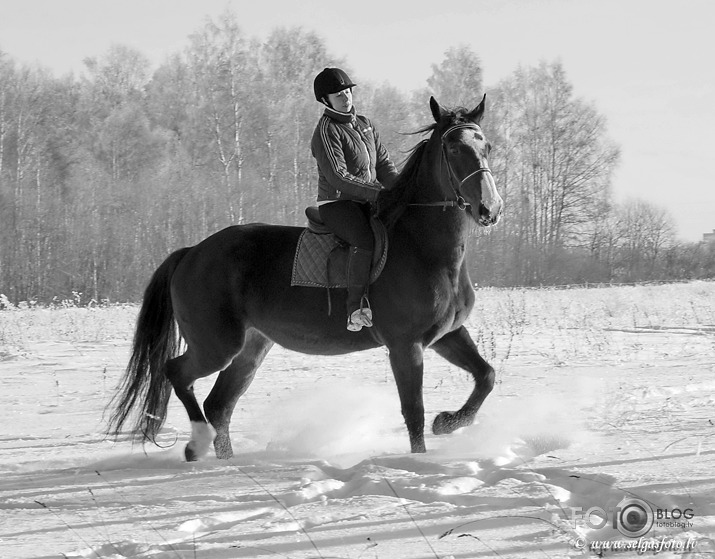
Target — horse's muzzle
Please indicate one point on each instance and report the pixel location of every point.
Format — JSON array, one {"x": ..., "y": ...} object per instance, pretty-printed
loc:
[{"x": 490, "y": 207}]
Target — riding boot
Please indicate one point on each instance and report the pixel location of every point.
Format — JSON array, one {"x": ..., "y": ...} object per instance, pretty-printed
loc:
[{"x": 359, "y": 313}]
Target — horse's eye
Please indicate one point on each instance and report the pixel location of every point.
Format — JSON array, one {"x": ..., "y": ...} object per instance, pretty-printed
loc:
[{"x": 453, "y": 150}]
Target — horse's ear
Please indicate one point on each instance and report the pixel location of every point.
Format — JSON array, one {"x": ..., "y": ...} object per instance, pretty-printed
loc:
[
  {"x": 476, "y": 115},
  {"x": 438, "y": 111}
]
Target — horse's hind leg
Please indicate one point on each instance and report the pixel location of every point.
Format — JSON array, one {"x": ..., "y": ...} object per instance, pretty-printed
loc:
[
  {"x": 182, "y": 372},
  {"x": 458, "y": 348},
  {"x": 231, "y": 384}
]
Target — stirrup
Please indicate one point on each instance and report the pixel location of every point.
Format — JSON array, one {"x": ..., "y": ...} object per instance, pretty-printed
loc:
[{"x": 360, "y": 317}]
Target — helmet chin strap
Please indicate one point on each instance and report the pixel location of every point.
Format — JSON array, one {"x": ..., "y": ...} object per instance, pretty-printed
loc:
[{"x": 327, "y": 104}]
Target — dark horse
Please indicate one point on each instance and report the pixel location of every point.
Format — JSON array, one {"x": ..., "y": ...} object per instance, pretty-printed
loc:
[{"x": 231, "y": 298}]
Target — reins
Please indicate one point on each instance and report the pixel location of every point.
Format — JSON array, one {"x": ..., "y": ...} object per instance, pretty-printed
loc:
[{"x": 459, "y": 201}]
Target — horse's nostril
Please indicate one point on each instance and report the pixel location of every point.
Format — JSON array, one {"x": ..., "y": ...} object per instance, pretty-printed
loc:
[{"x": 487, "y": 217}]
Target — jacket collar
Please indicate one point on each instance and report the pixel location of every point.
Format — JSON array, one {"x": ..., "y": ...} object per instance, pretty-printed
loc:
[{"x": 345, "y": 118}]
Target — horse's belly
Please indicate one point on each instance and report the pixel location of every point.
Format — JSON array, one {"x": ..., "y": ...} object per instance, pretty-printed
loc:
[{"x": 313, "y": 339}]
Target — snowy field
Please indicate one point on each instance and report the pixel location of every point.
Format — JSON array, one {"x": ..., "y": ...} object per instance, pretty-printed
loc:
[{"x": 602, "y": 395}]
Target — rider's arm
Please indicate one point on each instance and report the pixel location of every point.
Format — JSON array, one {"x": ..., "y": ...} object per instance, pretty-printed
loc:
[
  {"x": 385, "y": 168},
  {"x": 328, "y": 151}
]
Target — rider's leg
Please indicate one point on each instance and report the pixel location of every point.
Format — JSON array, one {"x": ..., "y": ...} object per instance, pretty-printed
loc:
[
  {"x": 349, "y": 221},
  {"x": 359, "y": 312}
]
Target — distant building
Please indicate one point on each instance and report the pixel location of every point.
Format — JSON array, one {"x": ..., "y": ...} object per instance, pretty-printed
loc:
[{"x": 709, "y": 237}]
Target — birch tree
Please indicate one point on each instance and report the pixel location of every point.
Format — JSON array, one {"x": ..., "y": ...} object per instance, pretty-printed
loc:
[
  {"x": 560, "y": 170},
  {"x": 219, "y": 63}
]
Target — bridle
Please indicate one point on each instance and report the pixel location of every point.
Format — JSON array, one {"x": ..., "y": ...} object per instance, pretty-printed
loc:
[{"x": 459, "y": 201}]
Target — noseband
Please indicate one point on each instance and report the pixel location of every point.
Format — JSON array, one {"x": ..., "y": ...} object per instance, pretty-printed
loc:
[{"x": 454, "y": 182}]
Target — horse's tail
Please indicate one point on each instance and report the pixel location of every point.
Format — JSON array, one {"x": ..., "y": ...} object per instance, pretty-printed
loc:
[{"x": 145, "y": 388}]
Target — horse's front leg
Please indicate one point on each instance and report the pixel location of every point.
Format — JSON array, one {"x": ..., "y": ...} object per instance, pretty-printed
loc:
[
  {"x": 458, "y": 348},
  {"x": 407, "y": 366}
]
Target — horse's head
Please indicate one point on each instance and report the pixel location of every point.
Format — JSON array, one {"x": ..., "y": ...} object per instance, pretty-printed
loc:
[{"x": 463, "y": 171}]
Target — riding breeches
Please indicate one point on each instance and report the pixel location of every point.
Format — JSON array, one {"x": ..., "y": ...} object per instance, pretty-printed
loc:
[{"x": 349, "y": 220}]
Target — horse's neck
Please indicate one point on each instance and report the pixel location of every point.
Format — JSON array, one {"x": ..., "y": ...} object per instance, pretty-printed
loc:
[
  {"x": 440, "y": 235},
  {"x": 440, "y": 232},
  {"x": 437, "y": 234}
]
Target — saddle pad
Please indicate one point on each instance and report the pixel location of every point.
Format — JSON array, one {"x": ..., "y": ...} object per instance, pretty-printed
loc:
[
  {"x": 310, "y": 263},
  {"x": 321, "y": 261}
]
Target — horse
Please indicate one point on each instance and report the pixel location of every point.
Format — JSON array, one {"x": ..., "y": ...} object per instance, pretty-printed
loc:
[{"x": 229, "y": 298}]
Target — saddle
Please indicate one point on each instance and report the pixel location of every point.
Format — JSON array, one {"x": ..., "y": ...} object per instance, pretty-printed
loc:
[{"x": 321, "y": 258}]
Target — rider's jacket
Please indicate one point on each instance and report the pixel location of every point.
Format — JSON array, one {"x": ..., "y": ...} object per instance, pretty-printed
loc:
[{"x": 351, "y": 158}]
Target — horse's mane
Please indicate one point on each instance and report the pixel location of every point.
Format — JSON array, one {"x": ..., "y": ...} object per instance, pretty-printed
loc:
[{"x": 392, "y": 203}]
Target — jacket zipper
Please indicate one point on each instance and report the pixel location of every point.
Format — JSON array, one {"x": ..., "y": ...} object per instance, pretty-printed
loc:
[{"x": 364, "y": 145}]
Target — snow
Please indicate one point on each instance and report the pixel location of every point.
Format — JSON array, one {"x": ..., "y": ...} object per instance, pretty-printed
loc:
[{"x": 601, "y": 395}]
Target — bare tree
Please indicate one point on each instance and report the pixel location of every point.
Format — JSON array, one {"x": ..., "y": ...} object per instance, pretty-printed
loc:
[
  {"x": 457, "y": 80},
  {"x": 218, "y": 61},
  {"x": 120, "y": 73},
  {"x": 558, "y": 161},
  {"x": 644, "y": 231},
  {"x": 289, "y": 60}
]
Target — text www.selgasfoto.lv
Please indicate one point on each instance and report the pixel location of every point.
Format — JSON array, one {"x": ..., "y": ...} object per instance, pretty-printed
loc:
[{"x": 641, "y": 545}]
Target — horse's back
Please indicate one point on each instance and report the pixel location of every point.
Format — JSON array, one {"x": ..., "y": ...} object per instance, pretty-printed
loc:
[
  {"x": 243, "y": 249},
  {"x": 240, "y": 278}
]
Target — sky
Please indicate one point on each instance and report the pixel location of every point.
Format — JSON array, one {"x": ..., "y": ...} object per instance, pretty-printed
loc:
[{"x": 646, "y": 65}]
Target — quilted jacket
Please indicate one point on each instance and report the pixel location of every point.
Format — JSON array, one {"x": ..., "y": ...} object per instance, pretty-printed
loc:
[{"x": 352, "y": 162}]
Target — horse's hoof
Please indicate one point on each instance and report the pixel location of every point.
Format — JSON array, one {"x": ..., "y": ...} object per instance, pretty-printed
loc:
[
  {"x": 224, "y": 453},
  {"x": 417, "y": 445},
  {"x": 445, "y": 423},
  {"x": 190, "y": 455},
  {"x": 202, "y": 437}
]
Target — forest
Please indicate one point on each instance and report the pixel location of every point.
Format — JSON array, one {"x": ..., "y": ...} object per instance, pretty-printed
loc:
[{"x": 102, "y": 175}]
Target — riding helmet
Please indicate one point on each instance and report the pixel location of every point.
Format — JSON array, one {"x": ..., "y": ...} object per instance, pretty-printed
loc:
[{"x": 330, "y": 80}]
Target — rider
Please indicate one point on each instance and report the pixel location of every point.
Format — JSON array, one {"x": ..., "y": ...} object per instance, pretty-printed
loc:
[{"x": 351, "y": 160}]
